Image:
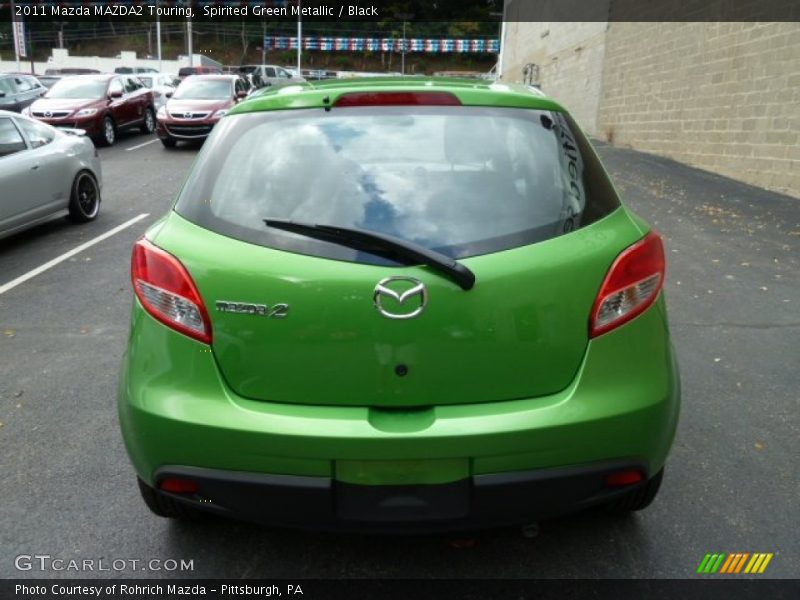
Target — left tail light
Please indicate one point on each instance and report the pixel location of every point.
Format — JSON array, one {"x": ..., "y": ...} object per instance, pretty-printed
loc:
[
  {"x": 166, "y": 290},
  {"x": 631, "y": 285}
]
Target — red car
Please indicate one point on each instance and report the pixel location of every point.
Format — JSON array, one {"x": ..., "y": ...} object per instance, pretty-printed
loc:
[
  {"x": 194, "y": 108},
  {"x": 99, "y": 104}
]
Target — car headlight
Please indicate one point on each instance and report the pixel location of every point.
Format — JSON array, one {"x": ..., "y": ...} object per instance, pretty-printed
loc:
[
  {"x": 26, "y": 111},
  {"x": 162, "y": 113},
  {"x": 220, "y": 113},
  {"x": 86, "y": 112}
]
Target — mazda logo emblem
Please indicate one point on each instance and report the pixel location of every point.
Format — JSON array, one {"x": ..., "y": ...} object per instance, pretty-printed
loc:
[
  {"x": 48, "y": 114},
  {"x": 393, "y": 292},
  {"x": 187, "y": 115}
]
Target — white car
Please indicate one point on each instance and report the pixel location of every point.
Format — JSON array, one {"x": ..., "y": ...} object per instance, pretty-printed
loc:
[
  {"x": 162, "y": 84},
  {"x": 45, "y": 173},
  {"x": 268, "y": 75}
]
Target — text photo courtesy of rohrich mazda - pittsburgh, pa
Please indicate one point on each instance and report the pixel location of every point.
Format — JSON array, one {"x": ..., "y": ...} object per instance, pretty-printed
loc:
[{"x": 319, "y": 299}]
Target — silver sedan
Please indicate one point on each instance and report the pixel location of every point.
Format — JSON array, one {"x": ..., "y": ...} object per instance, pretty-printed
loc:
[{"x": 45, "y": 173}]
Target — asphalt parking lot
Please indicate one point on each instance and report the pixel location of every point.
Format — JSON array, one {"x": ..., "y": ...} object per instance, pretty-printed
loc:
[{"x": 732, "y": 483}]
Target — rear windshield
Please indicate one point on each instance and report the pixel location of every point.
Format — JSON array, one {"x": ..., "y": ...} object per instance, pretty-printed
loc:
[{"x": 463, "y": 181}]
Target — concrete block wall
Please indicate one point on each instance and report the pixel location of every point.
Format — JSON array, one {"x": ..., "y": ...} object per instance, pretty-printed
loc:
[
  {"x": 570, "y": 57},
  {"x": 724, "y": 97}
]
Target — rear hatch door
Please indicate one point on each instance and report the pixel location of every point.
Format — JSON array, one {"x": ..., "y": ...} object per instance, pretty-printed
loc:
[{"x": 299, "y": 329}]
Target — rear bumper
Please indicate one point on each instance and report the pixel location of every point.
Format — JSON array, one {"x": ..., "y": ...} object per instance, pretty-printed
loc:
[
  {"x": 324, "y": 503},
  {"x": 186, "y": 416}
]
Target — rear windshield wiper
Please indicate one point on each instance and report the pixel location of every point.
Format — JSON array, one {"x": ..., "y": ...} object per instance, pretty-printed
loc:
[{"x": 385, "y": 246}]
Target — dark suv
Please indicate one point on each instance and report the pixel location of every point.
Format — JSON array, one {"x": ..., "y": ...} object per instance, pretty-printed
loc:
[
  {"x": 134, "y": 70},
  {"x": 18, "y": 91},
  {"x": 99, "y": 104},
  {"x": 185, "y": 72}
]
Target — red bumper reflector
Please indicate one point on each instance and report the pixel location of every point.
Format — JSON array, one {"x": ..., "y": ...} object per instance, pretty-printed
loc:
[
  {"x": 397, "y": 99},
  {"x": 178, "y": 486},
  {"x": 623, "y": 478}
]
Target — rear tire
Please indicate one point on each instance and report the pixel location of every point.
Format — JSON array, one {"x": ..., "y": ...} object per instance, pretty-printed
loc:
[
  {"x": 164, "y": 506},
  {"x": 149, "y": 123},
  {"x": 84, "y": 201},
  {"x": 168, "y": 142},
  {"x": 636, "y": 499},
  {"x": 108, "y": 132}
]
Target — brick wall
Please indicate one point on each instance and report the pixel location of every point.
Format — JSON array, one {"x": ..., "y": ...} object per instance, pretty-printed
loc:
[{"x": 720, "y": 96}]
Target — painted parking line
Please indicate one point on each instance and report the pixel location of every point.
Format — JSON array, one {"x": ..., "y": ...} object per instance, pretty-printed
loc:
[
  {"x": 141, "y": 145},
  {"x": 59, "y": 259}
]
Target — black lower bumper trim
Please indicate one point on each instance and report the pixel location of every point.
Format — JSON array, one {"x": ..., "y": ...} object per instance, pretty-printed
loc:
[{"x": 323, "y": 503}]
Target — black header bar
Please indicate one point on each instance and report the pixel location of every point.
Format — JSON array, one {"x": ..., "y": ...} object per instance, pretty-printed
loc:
[{"x": 406, "y": 10}]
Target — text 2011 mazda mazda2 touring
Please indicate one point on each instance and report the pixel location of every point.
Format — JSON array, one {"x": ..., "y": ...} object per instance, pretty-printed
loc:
[{"x": 398, "y": 305}]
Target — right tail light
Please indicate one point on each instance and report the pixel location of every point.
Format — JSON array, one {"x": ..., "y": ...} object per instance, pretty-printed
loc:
[{"x": 631, "y": 285}]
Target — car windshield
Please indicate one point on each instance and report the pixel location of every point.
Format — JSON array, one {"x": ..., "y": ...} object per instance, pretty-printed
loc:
[
  {"x": 462, "y": 181},
  {"x": 5, "y": 85},
  {"x": 203, "y": 89},
  {"x": 148, "y": 81},
  {"x": 78, "y": 88}
]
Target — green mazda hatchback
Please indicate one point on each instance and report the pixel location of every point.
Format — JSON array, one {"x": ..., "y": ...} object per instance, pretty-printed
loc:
[{"x": 398, "y": 305}]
